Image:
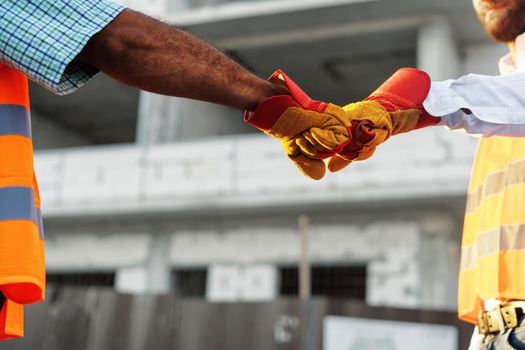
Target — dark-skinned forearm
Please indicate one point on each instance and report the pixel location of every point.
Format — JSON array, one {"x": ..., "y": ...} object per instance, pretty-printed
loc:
[{"x": 150, "y": 55}]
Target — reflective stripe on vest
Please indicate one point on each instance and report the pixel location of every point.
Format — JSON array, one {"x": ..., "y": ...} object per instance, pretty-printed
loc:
[
  {"x": 500, "y": 240},
  {"x": 18, "y": 203},
  {"x": 493, "y": 243},
  {"x": 496, "y": 183},
  {"x": 15, "y": 121},
  {"x": 22, "y": 262}
]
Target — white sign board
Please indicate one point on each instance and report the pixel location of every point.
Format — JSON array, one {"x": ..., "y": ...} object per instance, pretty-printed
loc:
[{"x": 347, "y": 333}]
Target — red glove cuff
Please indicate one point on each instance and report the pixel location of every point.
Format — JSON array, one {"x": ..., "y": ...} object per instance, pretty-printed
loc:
[
  {"x": 406, "y": 89},
  {"x": 271, "y": 109}
]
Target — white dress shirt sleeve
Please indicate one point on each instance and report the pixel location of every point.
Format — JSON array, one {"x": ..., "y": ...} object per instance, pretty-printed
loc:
[{"x": 480, "y": 104}]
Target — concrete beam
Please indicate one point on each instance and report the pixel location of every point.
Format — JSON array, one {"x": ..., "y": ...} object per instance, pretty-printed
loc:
[
  {"x": 316, "y": 33},
  {"x": 237, "y": 10},
  {"x": 243, "y": 173}
]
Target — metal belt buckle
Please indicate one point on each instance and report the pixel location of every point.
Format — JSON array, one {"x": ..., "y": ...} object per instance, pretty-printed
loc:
[
  {"x": 511, "y": 315},
  {"x": 495, "y": 321},
  {"x": 482, "y": 323},
  {"x": 501, "y": 321}
]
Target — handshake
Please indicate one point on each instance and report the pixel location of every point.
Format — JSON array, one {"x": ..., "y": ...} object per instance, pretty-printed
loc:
[{"x": 313, "y": 131}]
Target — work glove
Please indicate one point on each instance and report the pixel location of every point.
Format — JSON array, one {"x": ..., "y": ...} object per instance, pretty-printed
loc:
[
  {"x": 395, "y": 107},
  {"x": 309, "y": 130}
]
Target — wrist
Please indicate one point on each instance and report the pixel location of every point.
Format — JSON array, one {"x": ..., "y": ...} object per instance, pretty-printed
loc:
[
  {"x": 267, "y": 90},
  {"x": 275, "y": 89}
]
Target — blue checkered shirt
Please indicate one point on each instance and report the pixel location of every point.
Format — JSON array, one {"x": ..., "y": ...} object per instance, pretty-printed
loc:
[{"x": 41, "y": 38}]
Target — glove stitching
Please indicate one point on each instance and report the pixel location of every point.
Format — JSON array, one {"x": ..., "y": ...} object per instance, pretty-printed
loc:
[{"x": 411, "y": 105}]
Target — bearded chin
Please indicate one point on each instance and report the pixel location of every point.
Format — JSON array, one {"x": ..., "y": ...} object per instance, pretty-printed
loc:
[{"x": 506, "y": 28}]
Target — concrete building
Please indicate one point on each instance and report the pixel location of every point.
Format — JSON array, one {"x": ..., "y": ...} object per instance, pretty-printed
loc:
[{"x": 157, "y": 194}]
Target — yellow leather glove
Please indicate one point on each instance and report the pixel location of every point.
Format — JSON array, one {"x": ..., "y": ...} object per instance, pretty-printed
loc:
[
  {"x": 309, "y": 130},
  {"x": 372, "y": 125},
  {"x": 394, "y": 108}
]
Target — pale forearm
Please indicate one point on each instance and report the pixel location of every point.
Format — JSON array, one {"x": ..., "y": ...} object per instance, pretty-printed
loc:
[{"x": 150, "y": 55}]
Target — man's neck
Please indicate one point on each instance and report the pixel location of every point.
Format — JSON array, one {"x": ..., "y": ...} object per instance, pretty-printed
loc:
[{"x": 512, "y": 48}]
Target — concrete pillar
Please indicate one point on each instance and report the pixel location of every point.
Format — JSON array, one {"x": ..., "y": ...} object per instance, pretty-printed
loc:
[
  {"x": 437, "y": 50},
  {"x": 158, "y": 266},
  {"x": 439, "y": 55},
  {"x": 158, "y": 119},
  {"x": 175, "y": 6},
  {"x": 165, "y": 119},
  {"x": 154, "y": 7},
  {"x": 439, "y": 260},
  {"x": 153, "y": 276}
]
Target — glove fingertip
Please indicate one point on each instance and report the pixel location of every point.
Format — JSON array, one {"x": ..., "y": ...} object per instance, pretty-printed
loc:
[
  {"x": 314, "y": 169},
  {"x": 336, "y": 164}
]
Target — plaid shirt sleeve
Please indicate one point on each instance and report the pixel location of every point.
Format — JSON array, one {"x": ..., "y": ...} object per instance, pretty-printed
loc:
[{"x": 41, "y": 38}]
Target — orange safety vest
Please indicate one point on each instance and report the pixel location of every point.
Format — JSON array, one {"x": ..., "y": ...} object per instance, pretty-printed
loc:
[
  {"x": 22, "y": 266},
  {"x": 493, "y": 248}
]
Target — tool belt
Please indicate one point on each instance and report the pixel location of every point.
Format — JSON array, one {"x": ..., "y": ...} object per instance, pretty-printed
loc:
[{"x": 498, "y": 320}]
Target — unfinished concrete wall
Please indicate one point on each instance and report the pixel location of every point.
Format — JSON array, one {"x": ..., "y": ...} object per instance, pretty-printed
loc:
[{"x": 411, "y": 254}]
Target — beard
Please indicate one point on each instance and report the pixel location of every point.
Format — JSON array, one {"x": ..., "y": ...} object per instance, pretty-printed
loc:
[{"x": 504, "y": 24}]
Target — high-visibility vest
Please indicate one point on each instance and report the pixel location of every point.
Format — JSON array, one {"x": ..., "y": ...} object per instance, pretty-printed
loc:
[
  {"x": 22, "y": 265},
  {"x": 493, "y": 247}
]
